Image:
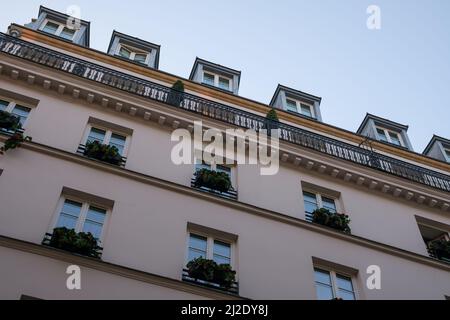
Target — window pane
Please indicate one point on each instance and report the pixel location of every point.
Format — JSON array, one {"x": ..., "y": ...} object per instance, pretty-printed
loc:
[
  {"x": 447, "y": 154},
  {"x": 67, "y": 33},
  {"x": 69, "y": 214},
  {"x": 382, "y": 135},
  {"x": 344, "y": 282},
  {"x": 322, "y": 276},
  {"x": 394, "y": 138},
  {"x": 140, "y": 57},
  {"x": 197, "y": 242},
  {"x": 224, "y": 83},
  {"x": 69, "y": 222},
  {"x": 93, "y": 227},
  {"x": 71, "y": 208},
  {"x": 3, "y": 105},
  {"x": 50, "y": 27},
  {"x": 324, "y": 292},
  {"x": 221, "y": 260},
  {"x": 310, "y": 202},
  {"x": 21, "y": 112},
  {"x": 306, "y": 110},
  {"x": 118, "y": 141},
  {"x": 291, "y": 105},
  {"x": 208, "y": 79},
  {"x": 329, "y": 204},
  {"x": 193, "y": 254},
  {"x": 124, "y": 53},
  {"x": 223, "y": 249},
  {"x": 96, "y": 135},
  {"x": 346, "y": 295},
  {"x": 96, "y": 215}
]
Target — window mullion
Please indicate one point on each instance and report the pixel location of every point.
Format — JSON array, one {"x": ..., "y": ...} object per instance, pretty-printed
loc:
[
  {"x": 209, "y": 248},
  {"x": 83, "y": 215},
  {"x": 59, "y": 30},
  {"x": 334, "y": 284},
  {"x": 107, "y": 138},
  {"x": 319, "y": 200}
]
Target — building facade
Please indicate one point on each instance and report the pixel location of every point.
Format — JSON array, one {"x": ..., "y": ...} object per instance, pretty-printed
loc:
[{"x": 149, "y": 216}]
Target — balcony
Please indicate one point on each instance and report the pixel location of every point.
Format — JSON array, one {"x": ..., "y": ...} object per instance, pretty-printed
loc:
[
  {"x": 234, "y": 289},
  {"x": 221, "y": 112},
  {"x": 47, "y": 241},
  {"x": 82, "y": 148}
]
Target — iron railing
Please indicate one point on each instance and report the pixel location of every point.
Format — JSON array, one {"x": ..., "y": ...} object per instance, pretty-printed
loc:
[
  {"x": 221, "y": 112},
  {"x": 231, "y": 194},
  {"x": 234, "y": 288},
  {"x": 81, "y": 149}
]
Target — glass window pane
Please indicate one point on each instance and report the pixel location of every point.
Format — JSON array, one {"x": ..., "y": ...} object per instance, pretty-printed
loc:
[
  {"x": 324, "y": 292},
  {"x": 291, "y": 105},
  {"x": 67, "y": 33},
  {"x": 124, "y": 53},
  {"x": 306, "y": 110},
  {"x": 394, "y": 138},
  {"x": 329, "y": 204},
  {"x": 197, "y": 242},
  {"x": 223, "y": 249},
  {"x": 93, "y": 227},
  {"x": 381, "y": 135},
  {"x": 96, "y": 135},
  {"x": 310, "y": 206},
  {"x": 69, "y": 214},
  {"x": 72, "y": 208},
  {"x": 346, "y": 295},
  {"x": 193, "y": 254},
  {"x": 310, "y": 202},
  {"x": 322, "y": 276},
  {"x": 224, "y": 83},
  {"x": 344, "y": 282},
  {"x": 140, "y": 57},
  {"x": 208, "y": 79},
  {"x": 67, "y": 221},
  {"x": 50, "y": 27},
  {"x": 21, "y": 112},
  {"x": 96, "y": 214},
  {"x": 311, "y": 197},
  {"x": 447, "y": 154},
  {"x": 118, "y": 141},
  {"x": 221, "y": 260},
  {"x": 3, "y": 105}
]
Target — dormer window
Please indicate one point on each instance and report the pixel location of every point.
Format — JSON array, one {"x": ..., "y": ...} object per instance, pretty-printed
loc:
[
  {"x": 389, "y": 136},
  {"x": 299, "y": 107},
  {"x": 447, "y": 154},
  {"x": 217, "y": 81},
  {"x": 133, "y": 54},
  {"x": 58, "y": 29}
]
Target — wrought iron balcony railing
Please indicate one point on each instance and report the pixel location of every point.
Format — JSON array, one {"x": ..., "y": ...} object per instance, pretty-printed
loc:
[
  {"x": 231, "y": 194},
  {"x": 81, "y": 149},
  {"x": 221, "y": 112},
  {"x": 234, "y": 289}
]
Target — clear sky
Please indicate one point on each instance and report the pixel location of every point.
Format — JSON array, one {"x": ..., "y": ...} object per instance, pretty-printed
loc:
[{"x": 323, "y": 47}]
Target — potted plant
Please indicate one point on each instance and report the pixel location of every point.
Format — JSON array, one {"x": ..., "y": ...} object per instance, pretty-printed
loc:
[
  {"x": 440, "y": 248},
  {"x": 224, "y": 275},
  {"x": 219, "y": 181},
  {"x": 338, "y": 221},
  {"x": 69, "y": 240},
  {"x": 9, "y": 121},
  {"x": 208, "y": 270},
  {"x": 175, "y": 96},
  {"x": 102, "y": 152},
  {"x": 14, "y": 141},
  {"x": 271, "y": 121}
]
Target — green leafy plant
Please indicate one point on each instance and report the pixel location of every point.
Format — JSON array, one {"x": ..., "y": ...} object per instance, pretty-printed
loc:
[
  {"x": 208, "y": 270},
  {"x": 14, "y": 141},
  {"x": 175, "y": 96},
  {"x": 440, "y": 248},
  {"x": 9, "y": 122},
  {"x": 338, "y": 221},
  {"x": 69, "y": 240},
  {"x": 271, "y": 121},
  {"x": 102, "y": 152},
  {"x": 219, "y": 181}
]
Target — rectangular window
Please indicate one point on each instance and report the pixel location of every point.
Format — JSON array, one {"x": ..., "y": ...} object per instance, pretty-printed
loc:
[
  {"x": 82, "y": 217},
  {"x": 209, "y": 248},
  {"x": 51, "y": 27},
  {"x": 389, "y": 136},
  {"x": 305, "y": 110},
  {"x": 131, "y": 53},
  {"x": 96, "y": 135},
  {"x": 118, "y": 141},
  {"x": 394, "y": 138},
  {"x": 381, "y": 135},
  {"x": 291, "y": 105},
  {"x": 18, "y": 110},
  {"x": 124, "y": 52},
  {"x": 67, "y": 33},
  {"x": 140, "y": 57},
  {"x": 299, "y": 107},
  {"x": 313, "y": 201},
  {"x": 105, "y": 136},
  {"x": 224, "y": 83},
  {"x": 208, "y": 78},
  {"x": 447, "y": 154},
  {"x": 331, "y": 285},
  {"x": 216, "y": 167},
  {"x": 58, "y": 29}
]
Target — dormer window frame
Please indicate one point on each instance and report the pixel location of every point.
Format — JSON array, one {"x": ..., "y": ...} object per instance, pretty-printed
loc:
[
  {"x": 217, "y": 78},
  {"x": 447, "y": 154},
  {"x": 387, "y": 133},
  {"x": 59, "y": 30},
  {"x": 299, "y": 104},
  {"x": 133, "y": 52}
]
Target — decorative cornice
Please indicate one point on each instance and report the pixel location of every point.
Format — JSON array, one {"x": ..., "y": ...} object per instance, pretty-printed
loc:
[
  {"x": 115, "y": 269},
  {"x": 31, "y": 35}
]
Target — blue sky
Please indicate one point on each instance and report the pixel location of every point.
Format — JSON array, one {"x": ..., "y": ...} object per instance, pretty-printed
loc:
[{"x": 323, "y": 47}]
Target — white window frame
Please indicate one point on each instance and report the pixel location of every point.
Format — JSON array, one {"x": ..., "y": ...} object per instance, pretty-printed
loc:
[
  {"x": 82, "y": 217},
  {"x": 447, "y": 154},
  {"x": 12, "y": 104},
  {"x": 213, "y": 167},
  {"x": 388, "y": 137},
  {"x": 133, "y": 52},
  {"x": 299, "y": 104},
  {"x": 59, "y": 30},
  {"x": 216, "y": 80},
  {"x": 107, "y": 138},
  {"x": 210, "y": 247},
  {"x": 319, "y": 200},
  {"x": 333, "y": 277}
]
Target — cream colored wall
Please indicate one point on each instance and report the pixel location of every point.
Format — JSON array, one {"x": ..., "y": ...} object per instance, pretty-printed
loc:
[
  {"x": 45, "y": 278},
  {"x": 147, "y": 231},
  {"x": 60, "y": 123}
]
